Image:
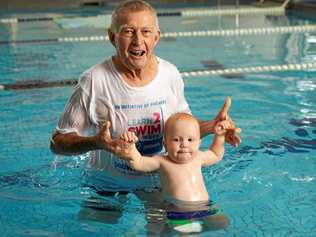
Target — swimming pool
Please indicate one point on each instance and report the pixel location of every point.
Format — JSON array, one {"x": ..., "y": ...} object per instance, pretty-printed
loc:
[{"x": 266, "y": 186}]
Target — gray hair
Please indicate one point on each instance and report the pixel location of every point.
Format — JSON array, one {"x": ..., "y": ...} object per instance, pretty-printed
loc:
[{"x": 131, "y": 6}]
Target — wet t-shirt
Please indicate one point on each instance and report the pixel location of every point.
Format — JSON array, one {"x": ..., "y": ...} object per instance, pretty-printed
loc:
[{"x": 102, "y": 95}]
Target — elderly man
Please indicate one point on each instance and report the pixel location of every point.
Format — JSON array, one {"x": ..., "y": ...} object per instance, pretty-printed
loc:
[{"x": 133, "y": 90}]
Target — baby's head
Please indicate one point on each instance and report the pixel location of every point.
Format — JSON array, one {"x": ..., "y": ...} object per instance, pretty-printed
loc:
[
  {"x": 182, "y": 137},
  {"x": 177, "y": 118}
]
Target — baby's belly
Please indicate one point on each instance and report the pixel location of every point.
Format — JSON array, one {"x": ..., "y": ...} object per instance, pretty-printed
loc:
[{"x": 191, "y": 193}]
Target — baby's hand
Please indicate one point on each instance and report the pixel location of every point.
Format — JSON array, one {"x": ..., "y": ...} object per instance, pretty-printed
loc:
[
  {"x": 129, "y": 150},
  {"x": 129, "y": 137},
  {"x": 221, "y": 127}
]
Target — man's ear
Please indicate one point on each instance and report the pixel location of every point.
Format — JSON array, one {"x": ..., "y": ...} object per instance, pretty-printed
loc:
[
  {"x": 157, "y": 37},
  {"x": 111, "y": 35}
]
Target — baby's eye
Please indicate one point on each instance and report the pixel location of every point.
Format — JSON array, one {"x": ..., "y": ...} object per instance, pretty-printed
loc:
[
  {"x": 175, "y": 139},
  {"x": 190, "y": 139}
]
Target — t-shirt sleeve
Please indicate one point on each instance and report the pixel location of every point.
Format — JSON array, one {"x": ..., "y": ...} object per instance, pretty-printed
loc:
[
  {"x": 183, "y": 106},
  {"x": 75, "y": 117}
]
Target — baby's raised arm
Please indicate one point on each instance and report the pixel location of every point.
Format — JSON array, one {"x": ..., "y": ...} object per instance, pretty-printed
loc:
[
  {"x": 217, "y": 148},
  {"x": 135, "y": 159}
]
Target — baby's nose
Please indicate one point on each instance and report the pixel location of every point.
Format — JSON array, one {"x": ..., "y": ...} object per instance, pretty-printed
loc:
[{"x": 184, "y": 143}]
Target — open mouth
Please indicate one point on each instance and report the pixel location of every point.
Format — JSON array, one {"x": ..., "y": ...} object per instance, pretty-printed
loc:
[{"x": 137, "y": 53}]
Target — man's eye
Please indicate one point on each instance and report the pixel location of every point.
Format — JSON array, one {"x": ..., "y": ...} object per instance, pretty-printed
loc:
[
  {"x": 128, "y": 32},
  {"x": 147, "y": 32}
]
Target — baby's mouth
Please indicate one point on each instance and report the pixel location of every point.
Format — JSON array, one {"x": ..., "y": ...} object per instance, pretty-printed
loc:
[
  {"x": 137, "y": 53},
  {"x": 183, "y": 152}
]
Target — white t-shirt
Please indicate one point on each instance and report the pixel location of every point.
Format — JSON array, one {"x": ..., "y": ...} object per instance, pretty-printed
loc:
[{"x": 102, "y": 95}]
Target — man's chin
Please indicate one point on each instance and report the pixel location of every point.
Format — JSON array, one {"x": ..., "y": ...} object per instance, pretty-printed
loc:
[{"x": 138, "y": 64}]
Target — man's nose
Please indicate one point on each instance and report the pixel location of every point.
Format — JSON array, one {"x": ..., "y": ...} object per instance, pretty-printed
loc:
[{"x": 138, "y": 37}]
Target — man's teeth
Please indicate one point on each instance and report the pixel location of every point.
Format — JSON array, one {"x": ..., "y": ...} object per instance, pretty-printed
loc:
[{"x": 138, "y": 53}]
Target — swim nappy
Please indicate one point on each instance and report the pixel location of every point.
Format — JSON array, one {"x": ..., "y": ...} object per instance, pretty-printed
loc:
[{"x": 189, "y": 222}]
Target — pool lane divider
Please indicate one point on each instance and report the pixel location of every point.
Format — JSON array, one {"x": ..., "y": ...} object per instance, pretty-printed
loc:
[
  {"x": 32, "y": 41},
  {"x": 207, "y": 33},
  {"x": 184, "y": 13},
  {"x": 36, "y": 84},
  {"x": 254, "y": 69},
  {"x": 234, "y": 11}
]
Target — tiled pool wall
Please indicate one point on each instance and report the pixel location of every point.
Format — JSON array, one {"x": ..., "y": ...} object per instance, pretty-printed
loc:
[{"x": 20, "y": 5}]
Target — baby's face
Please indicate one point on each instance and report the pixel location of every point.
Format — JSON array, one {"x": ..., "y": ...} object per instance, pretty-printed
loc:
[{"x": 183, "y": 141}]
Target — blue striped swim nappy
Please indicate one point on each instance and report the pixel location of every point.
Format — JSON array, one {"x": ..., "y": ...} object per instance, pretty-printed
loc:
[{"x": 176, "y": 218}]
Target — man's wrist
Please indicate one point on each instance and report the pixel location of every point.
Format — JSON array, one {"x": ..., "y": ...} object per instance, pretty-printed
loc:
[
  {"x": 94, "y": 143},
  {"x": 206, "y": 127}
]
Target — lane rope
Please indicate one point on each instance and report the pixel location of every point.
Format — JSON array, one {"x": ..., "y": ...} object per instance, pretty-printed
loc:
[
  {"x": 207, "y": 33},
  {"x": 254, "y": 69},
  {"x": 234, "y": 11},
  {"x": 185, "y": 13},
  {"x": 198, "y": 73}
]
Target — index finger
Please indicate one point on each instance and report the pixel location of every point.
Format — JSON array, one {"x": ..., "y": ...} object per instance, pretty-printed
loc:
[{"x": 224, "y": 110}]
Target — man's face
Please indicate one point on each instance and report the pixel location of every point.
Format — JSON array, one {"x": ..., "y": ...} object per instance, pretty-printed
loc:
[{"x": 136, "y": 39}]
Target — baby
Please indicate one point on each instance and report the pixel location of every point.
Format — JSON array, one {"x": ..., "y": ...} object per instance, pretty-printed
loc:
[{"x": 180, "y": 169}]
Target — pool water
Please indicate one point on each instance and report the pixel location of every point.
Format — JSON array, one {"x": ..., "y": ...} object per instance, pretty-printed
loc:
[{"x": 266, "y": 186}]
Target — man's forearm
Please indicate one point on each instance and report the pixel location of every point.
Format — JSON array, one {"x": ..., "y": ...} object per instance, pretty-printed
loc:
[
  {"x": 206, "y": 127},
  {"x": 72, "y": 144}
]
